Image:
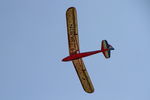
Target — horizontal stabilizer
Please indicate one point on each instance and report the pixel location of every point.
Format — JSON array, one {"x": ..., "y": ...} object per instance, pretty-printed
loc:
[{"x": 106, "y": 48}]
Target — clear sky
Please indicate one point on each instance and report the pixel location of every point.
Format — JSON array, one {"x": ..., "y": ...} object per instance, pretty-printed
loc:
[{"x": 33, "y": 40}]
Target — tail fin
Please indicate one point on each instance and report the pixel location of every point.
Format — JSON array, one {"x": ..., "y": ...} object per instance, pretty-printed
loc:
[{"x": 107, "y": 49}]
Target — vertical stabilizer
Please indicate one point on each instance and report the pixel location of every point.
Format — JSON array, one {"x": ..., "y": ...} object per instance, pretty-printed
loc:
[{"x": 107, "y": 49}]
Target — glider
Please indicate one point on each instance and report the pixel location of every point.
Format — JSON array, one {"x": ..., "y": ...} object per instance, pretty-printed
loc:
[{"x": 74, "y": 51}]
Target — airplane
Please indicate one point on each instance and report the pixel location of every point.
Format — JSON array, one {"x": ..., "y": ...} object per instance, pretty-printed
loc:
[{"x": 74, "y": 51}]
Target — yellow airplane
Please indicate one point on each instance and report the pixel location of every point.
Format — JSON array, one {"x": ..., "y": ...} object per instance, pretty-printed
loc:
[{"x": 74, "y": 51}]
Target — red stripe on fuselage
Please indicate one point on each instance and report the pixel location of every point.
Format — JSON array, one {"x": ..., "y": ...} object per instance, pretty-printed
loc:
[{"x": 80, "y": 55}]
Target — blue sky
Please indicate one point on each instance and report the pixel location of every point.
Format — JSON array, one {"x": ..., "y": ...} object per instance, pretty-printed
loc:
[{"x": 33, "y": 40}]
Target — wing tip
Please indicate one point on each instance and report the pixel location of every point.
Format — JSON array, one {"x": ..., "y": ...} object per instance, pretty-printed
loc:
[
  {"x": 91, "y": 91},
  {"x": 71, "y": 8}
]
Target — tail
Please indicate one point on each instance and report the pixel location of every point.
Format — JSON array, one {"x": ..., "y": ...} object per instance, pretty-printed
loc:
[{"x": 106, "y": 48}]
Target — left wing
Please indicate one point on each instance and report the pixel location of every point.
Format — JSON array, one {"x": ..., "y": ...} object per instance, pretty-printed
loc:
[
  {"x": 73, "y": 41},
  {"x": 83, "y": 75}
]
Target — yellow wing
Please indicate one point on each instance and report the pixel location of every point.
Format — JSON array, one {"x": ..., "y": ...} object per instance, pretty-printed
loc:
[{"x": 73, "y": 41}]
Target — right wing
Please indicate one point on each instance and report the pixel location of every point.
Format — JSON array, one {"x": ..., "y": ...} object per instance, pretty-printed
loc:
[{"x": 73, "y": 40}]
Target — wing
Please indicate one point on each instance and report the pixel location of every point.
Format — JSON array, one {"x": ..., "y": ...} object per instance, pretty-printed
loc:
[
  {"x": 83, "y": 75},
  {"x": 73, "y": 41},
  {"x": 72, "y": 28}
]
